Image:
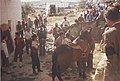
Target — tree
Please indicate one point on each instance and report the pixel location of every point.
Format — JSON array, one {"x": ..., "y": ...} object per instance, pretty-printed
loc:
[{"x": 26, "y": 10}]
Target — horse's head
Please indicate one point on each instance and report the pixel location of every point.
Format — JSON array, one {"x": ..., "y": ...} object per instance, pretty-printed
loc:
[{"x": 86, "y": 35}]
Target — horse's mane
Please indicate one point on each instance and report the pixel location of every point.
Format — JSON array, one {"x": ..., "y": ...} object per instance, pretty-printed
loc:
[{"x": 84, "y": 34}]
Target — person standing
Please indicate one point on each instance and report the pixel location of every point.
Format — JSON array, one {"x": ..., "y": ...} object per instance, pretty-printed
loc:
[
  {"x": 81, "y": 19},
  {"x": 30, "y": 23},
  {"x": 45, "y": 21},
  {"x": 56, "y": 31},
  {"x": 34, "y": 55},
  {"x": 19, "y": 28},
  {"x": 40, "y": 20},
  {"x": 36, "y": 22},
  {"x": 19, "y": 45},
  {"x": 23, "y": 24},
  {"x": 42, "y": 33},
  {"x": 28, "y": 36},
  {"x": 89, "y": 17},
  {"x": 112, "y": 39},
  {"x": 66, "y": 22}
]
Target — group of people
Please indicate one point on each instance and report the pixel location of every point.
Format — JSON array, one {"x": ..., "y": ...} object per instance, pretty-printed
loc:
[{"x": 24, "y": 37}]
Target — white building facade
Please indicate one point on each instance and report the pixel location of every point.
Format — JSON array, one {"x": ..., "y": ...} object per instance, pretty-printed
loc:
[{"x": 10, "y": 11}]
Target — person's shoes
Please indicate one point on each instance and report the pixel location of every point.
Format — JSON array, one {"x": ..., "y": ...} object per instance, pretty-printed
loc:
[
  {"x": 20, "y": 65},
  {"x": 40, "y": 70},
  {"x": 15, "y": 65},
  {"x": 35, "y": 73}
]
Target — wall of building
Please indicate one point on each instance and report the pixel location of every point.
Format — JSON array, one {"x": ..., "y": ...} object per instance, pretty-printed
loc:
[{"x": 10, "y": 10}]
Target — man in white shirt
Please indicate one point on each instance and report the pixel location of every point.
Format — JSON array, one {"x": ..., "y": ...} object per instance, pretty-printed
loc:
[
  {"x": 5, "y": 55},
  {"x": 28, "y": 39},
  {"x": 65, "y": 22}
]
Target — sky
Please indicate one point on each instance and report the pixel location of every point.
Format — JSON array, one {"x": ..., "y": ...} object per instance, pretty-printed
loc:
[{"x": 49, "y": 0}]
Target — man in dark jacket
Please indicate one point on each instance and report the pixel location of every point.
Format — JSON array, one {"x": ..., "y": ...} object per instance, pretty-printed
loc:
[
  {"x": 112, "y": 38},
  {"x": 42, "y": 39},
  {"x": 19, "y": 28}
]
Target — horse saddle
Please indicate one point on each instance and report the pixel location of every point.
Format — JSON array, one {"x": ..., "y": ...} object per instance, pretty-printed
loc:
[{"x": 74, "y": 46}]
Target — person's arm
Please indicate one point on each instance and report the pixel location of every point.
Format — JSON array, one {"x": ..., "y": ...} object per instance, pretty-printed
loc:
[
  {"x": 68, "y": 23},
  {"x": 4, "y": 47}
]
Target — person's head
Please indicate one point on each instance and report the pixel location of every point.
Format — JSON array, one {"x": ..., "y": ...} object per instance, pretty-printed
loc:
[
  {"x": 61, "y": 25},
  {"x": 76, "y": 21},
  {"x": 29, "y": 19},
  {"x": 61, "y": 34},
  {"x": 28, "y": 29},
  {"x": 117, "y": 5},
  {"x": 36, "y": 17},
  {"x": 39, "y": 15},
  {"x": 17, "y": 34},
  {"x": 81, "y": 15},
  {"x": 34, "y": 37},
  {"x": 56, "y": 24},
  {"x": 118, "y": 1},
  {"x": 42, "y": 29},
  {"x": 18, "y": 22},
  {"x": 112, "y": 16},
  {"x": 65, "y": 18}
]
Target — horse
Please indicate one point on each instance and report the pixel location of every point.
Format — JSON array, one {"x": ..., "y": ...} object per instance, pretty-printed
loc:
[
  {"x": 86, "y": 36},
  {"x": 65, "y": 55}
]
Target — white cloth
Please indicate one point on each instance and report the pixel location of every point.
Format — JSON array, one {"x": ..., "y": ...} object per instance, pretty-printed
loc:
[
  {"x": 66, "y": 23},
  {"x": 35, "y": 44},
  {"x": 4, "y": 48},
  {"x": 28, "y": 35}
]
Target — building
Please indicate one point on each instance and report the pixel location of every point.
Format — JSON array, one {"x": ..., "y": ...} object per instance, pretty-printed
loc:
[{"x": 10, "y": 11}]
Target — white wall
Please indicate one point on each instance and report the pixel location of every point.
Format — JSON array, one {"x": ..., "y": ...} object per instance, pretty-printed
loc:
[{"x": 10, "y": 10}]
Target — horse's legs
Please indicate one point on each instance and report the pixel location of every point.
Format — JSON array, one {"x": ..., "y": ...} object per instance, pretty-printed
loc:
[
  {"x": 59, "y": 77},
  {"x": 53, "y": 77},
  {"x": 90, "y": 61},
  {"x": 79, "y": 68},
  {"x": 84, "y": 68}
]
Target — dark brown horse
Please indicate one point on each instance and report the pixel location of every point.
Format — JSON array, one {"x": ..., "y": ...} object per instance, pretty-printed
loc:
[{"x": 65, "y": 55}]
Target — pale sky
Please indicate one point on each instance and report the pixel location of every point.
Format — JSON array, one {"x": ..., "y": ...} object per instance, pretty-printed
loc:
[
  {"x": 29, "y": 0},
  {"x": 48, "y": 0}
]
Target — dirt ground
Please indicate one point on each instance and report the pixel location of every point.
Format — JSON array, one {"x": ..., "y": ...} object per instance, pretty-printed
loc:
[{"x": 25, "y": 73}]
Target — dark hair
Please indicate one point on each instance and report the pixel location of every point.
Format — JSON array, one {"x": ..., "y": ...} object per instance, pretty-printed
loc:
[
  {"x": 18, "y": 21},
  {"x": 113, "y": 14},
  {"x": 34, "y": 36},
  {"x": 61, "y": 33},
  {"x": 16, "y": 33},
  {"x": 76, "y": 20}
]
